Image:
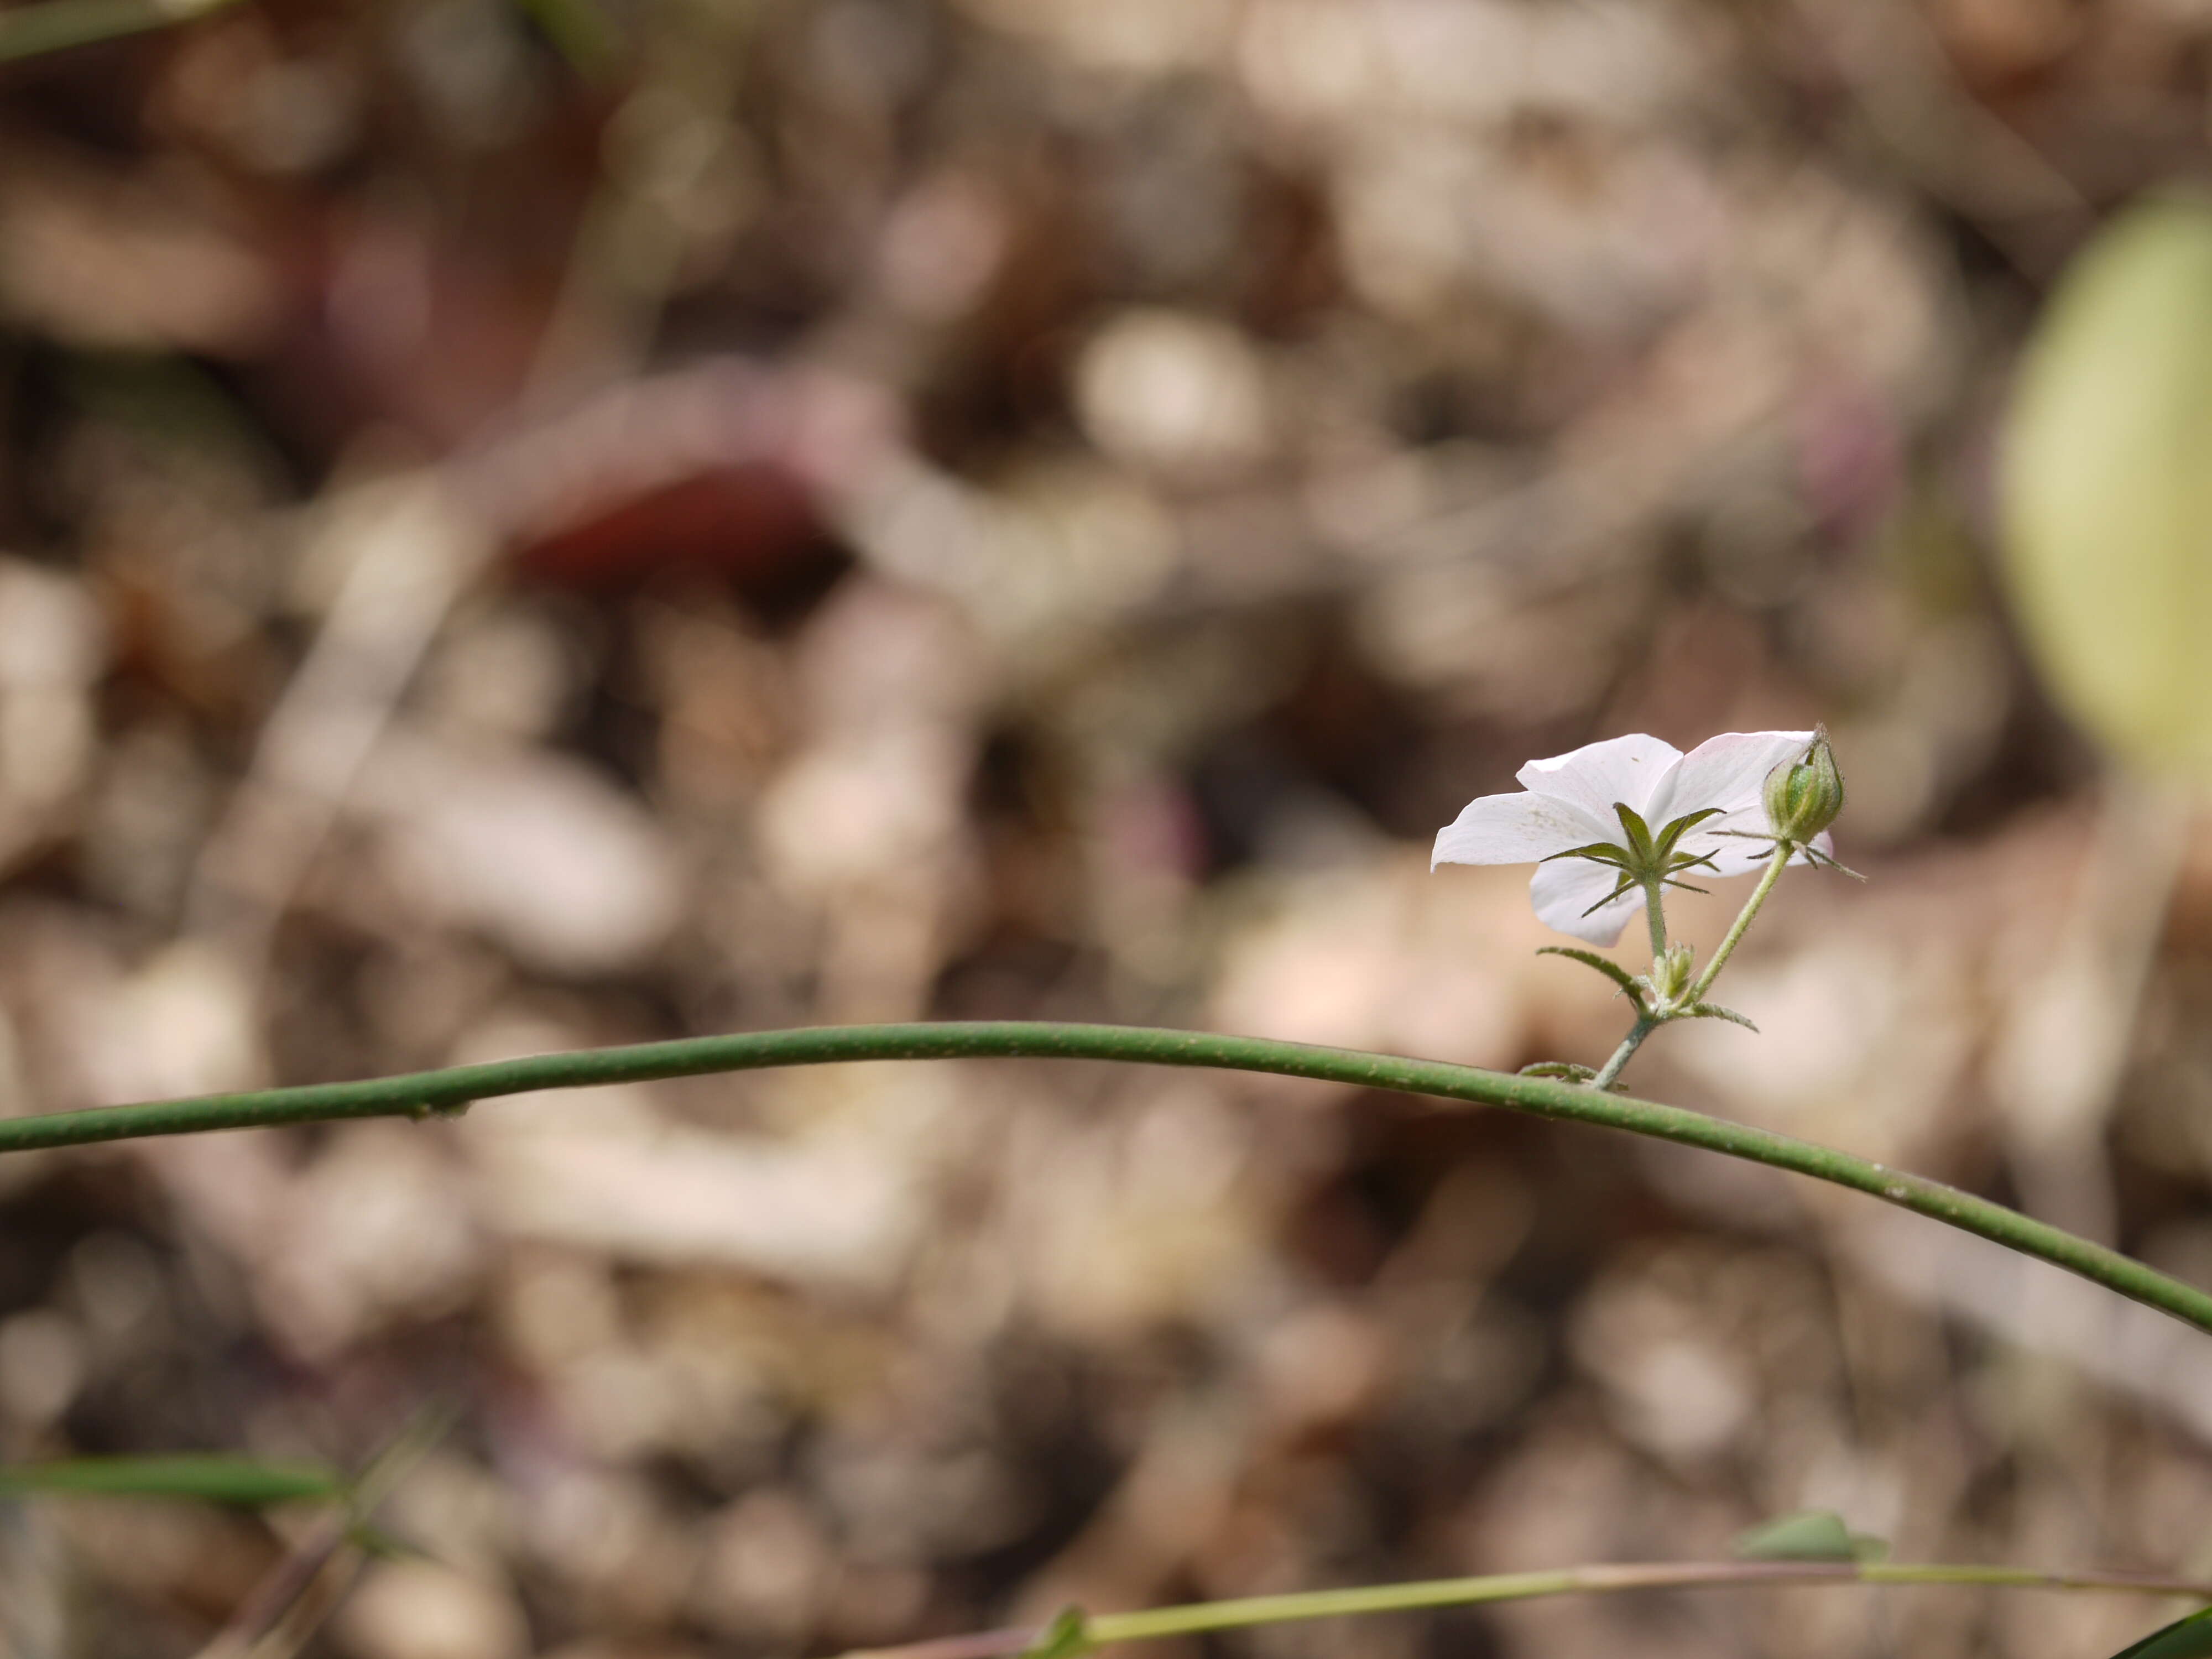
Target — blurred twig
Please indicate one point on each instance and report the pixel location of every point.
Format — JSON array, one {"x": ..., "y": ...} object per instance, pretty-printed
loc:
[
  {"x": 58, "y": 25},
  {"x": 581, "y": 31},
  {"x": 285, "y": 1609},
  {"x": 1600, "y": 1580}
]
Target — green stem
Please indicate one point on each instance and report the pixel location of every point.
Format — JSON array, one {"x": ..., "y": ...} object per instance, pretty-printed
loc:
[
  {"x": 424, "y": 1094},
  {"x": 1654, "y": 912},
  {"x": 1645, "y": 1026},
  {"x": 1611, "y": 1579},
  {"x": 1737, "y": 928}
]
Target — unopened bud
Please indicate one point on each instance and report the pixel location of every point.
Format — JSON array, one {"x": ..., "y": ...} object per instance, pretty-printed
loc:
[
  {"x": 1670, "y": 973},
  {"x": 1803, "y": 797}
]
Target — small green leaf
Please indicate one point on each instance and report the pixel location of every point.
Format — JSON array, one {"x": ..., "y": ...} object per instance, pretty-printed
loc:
[
  {"x": 1068, "y": 1637},
  {"x": 211, "y": 1479},
  {"x": 1714, "y": 1011},
  {"x": 2106, "y": 505},
  {"x": 2185, "y": 1638},
  {"x": 1811, "y": 1535},
  {"x": 1565, "y": 1068},
  {"x": 1613, "y": 970}
]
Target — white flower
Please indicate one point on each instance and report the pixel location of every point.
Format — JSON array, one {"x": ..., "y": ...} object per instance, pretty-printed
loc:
[{"x": 1570, "y": 802}]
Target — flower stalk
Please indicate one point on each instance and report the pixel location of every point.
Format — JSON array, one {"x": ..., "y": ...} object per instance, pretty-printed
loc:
[{"x": 1775, "y": 866}]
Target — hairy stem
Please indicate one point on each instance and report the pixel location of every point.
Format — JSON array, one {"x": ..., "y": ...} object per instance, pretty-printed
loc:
[
  {"x": 1654, "y": 912},
  {"x": 1645, "y": 1026},
  {"x": 1607, "y": 1579},
  {"x": 1775, "y": 866},
  {"x": 426, "y": 1094}
]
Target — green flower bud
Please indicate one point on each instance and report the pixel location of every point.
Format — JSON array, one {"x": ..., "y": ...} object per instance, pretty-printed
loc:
[
  {"x": 1670, "y": 974},
  {"x": 1803, "y": 797}
]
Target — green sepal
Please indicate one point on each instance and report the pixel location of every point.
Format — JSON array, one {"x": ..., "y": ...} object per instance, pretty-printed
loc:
[
  {"x": 1640, "y": 850},
  {"x": 1613, "y": 970},
  {"x": 1598, "y": 851},
  {"x": 1626, "y": 884},
  {"x": 210, "y": 1478},
  {"x": 1820, "y": 860},
  {"x": 2185, "y": 1638},
  {"x": 1809, "y": 1535},
  {"x": 1068, "y": 1637},
  {"x": 1563, "y": 1068},
  {"x": 1646, "y": 857},
  {"x": 1680, "y": 827},
  {"x": 1714, "y": 1011},
  {"x": 1811, "y": 854}
]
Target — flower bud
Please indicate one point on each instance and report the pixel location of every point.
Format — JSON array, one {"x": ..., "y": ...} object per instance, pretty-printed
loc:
[
  {"x": 1803, "y": 797},
  {"x": 1670, "y": 974}
]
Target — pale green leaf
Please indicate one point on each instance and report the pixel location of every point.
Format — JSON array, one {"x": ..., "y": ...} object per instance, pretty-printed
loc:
[{"x": 2107, "y": 489}]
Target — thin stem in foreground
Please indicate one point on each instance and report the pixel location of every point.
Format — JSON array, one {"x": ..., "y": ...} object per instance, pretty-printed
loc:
[
  {"x": 426, "y": 1094},
  {"x": 1608, "y": 1579}
]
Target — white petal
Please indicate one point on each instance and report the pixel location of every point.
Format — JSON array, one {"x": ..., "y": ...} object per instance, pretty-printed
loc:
[
  {"x": 1730, "y": 772},
  {"x": 1564, "y": 890},
  {"x": 1516, "y": 828},
  {"x": 1629, "y": 770}
]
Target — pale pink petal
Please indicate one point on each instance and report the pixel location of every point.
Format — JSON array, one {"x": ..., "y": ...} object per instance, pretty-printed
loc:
[
  {"x": 1517, "y": 829},
  {"x": 1629, "y": 770},
  {"x": 1564, "y": 889},
  {"x": 1730, "y": 772}
]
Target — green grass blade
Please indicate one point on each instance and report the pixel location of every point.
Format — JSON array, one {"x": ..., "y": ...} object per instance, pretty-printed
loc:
[{"x": 210, "y": 1478}]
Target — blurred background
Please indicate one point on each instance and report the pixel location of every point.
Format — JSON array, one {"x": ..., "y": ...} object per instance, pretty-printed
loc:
[{"x": 574, "y": 521}]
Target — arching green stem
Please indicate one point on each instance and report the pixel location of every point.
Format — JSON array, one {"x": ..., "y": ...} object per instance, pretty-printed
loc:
[{"x": 424, "y": 1094}]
